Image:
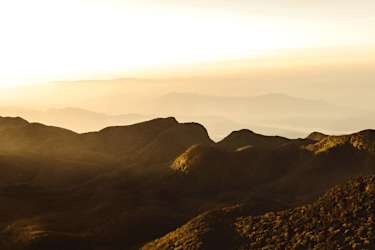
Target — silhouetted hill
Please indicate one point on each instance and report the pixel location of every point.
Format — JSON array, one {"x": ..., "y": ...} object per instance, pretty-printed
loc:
[
  {"x": 155, "y": 141},
  {"x": 10, "y": 122},
  {"x": 59, "y": 153},
  {"x": 170, "y": 143},
  {"x": 316, "y": 136},
  {"x": 122, "y": 140},
  {"x": 245, "y": 138},
  {"x": 341, "y": 219},
  {"x": 22, "y": 137},
  {"x": 83, "y": 121}
]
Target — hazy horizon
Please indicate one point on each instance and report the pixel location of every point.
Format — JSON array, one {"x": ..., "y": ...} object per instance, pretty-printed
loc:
[
  {"x": 122, "y": 38},
  {"x": 201, "y": 124},
  {"x": 124, "y": 57}
]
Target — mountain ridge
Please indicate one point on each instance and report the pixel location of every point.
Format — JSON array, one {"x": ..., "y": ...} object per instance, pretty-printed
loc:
[
  {"x": 159, "y": 173},
  {"x": 327, "y": 223}
]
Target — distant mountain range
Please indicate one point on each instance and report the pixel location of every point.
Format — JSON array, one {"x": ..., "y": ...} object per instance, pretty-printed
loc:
[
  {"x": 76, "y": 119},
  {"x": 130, "y": 187},
  {"x": 267, "y": 114},
  {"x": 263, "y": 105}
]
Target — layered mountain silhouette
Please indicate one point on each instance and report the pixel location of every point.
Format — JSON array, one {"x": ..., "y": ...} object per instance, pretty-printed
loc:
[
  {"x": 124, "y": 186},
  {"x": 82, "y": 120},
  {"x": 274, "y": 103},
  {"x": 22, "y": 137},
  {"x": 56, "y": 153},
  {"x": 272, "y": 113},
  {"x": 76, "y": 119}
]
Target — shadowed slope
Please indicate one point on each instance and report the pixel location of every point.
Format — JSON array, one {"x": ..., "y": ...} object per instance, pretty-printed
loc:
[
  {"x": 342, "y": 218},
  {"x": 121, "y": 140},
  {"x": 245, "y": 138},
  {"x": 200, "y": 158},
  {"x": 166, "y": 146},
  {"x": 108, "y": 202},
  {"x": 214, "y": 169},
  {"x": 54, "y": 155},
  {"x": 20, "y": 137}
]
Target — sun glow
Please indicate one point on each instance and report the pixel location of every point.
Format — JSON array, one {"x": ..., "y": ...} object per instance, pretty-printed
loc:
[{"x": 43, "y": 40}]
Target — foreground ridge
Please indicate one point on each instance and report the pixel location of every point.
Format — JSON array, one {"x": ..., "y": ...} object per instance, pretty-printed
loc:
[{"x": 343, "y": 218}]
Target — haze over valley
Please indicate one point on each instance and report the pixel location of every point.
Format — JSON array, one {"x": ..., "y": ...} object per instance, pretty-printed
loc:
[
  {"x": 197, "y": 125},
  {"x": 291, "y": 110}
]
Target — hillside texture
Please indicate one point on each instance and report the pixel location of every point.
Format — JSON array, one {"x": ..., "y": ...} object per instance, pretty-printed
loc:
[
  {"x": 124, "y": 186},
  {"x": 343, "y": 218}
]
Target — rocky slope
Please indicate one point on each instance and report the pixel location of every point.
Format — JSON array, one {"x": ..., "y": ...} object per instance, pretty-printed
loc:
[
  {"x": 364, "y": 141},
  {"x": 343, "y": 218}
]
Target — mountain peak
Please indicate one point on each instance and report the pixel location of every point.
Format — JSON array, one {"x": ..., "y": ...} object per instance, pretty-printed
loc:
[
  {"x": 247, "y": 138},
  {"x": 175, "y": 140},
  {"x": 161, "y": 123},
  {"x": 364, "y": 140},
  {"x": 316, "y": 136},
  {"x": 367, "y": 132},
  {"x": 12, "y": 121},
  {"x": 242, "y": 132}
]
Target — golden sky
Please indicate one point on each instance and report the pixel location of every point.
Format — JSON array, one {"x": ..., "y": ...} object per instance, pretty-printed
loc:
[{"x": 45, "y": 40}]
